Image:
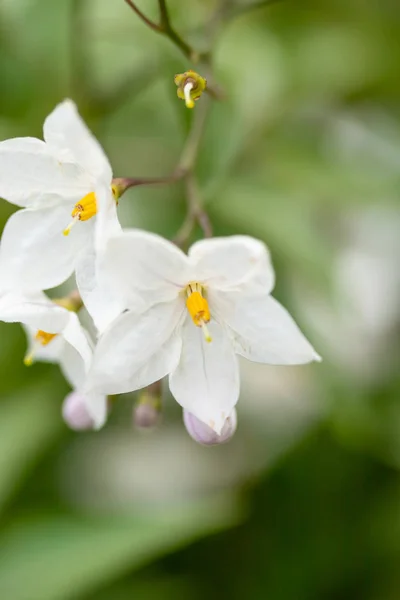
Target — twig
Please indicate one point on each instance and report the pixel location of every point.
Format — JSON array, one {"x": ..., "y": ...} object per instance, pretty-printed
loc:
[
  {"x": 191, "y": 148},
  {"x": 149, "y": 23},
  {"x": 185, "y": 168},
  {"x": 196, "y": 205},
  {"x": 196, "y": 212},
  {"x": 165, "y": 28}
]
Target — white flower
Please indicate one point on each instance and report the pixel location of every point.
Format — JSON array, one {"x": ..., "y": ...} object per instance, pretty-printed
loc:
[
  {"x": 62, "y": 182},
  {"x": 188, "y": 316},
  {"x": 54, "y": 335}
]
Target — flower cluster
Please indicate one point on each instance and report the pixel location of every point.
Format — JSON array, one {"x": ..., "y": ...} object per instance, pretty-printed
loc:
[{"x": 157, "y": 311}]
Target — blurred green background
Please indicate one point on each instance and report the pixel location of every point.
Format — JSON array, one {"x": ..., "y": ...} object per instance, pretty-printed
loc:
[{"x": 304, "y": 502}]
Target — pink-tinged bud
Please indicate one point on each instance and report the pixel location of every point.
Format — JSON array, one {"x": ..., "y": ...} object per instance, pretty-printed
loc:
[
  {"x": 75, "y": 413},
  {"x": 146, "y": 416},
  {"x": 147, "y": 412},
  {"x": 203, "y": 434}
]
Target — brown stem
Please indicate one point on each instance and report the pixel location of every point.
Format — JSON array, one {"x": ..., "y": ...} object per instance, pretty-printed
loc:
[
  {"x": 165, "y": 28},
  {"x": 196, "y": 205},
  {"x": 149, "y": 23}
]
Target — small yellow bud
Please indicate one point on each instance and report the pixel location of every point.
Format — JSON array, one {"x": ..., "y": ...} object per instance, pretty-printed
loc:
[
  {"x": 191, "y": 85},
  {"x": 73, "y": 302}
]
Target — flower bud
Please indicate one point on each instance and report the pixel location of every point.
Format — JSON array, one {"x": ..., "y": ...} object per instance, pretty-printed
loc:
[
  {"x": 145, "y": 416},
  {"x": 191, "y": 85},
  {"x": 147, "y": 412},
  {"x": 203, "y": 434},
  {"x": 73, "y": 302},
  {"x": 75, "y": 413}
]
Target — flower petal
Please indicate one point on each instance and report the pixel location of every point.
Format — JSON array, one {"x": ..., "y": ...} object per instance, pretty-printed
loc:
[
  {"x": 68, "y": 136},
  {"x": 107, "y": 224},
  {"x": 31, "y": 176},
  {"x": 206, "y": 381},
  {"x": 263, "y": 330},
  {"x": 144, "y": 266},
  {"x": 137, "y": 349},
  {"x": 99, "y": 299},
  {"x": 34, "y": 253},
  {"x": 231, "y": 262},
  {"x": 34, "y": 310},
  {"x": 50, "y": 353},
  {"x": 76, "y": 336},
  {"x": 97, "y": 407}
]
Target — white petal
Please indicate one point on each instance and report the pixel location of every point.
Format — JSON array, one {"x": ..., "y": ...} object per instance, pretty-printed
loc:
[
  {"x": 72, "y": 365},
  {"x": 231, "y": 262},
  {"x": 49, "y": 353},
  {"x": 34, "y": 310},
  {"x": 99, "y": 299},
  {"x": 107, "y": 224},
  {"x": 67, "y": 135},
  {"x": 137, "y": 350},
  {"x": 206, "y": 381},
  {"x": 71, "y": 347},
  {"x": 75, "y": 335},
  {"x": 34, "y": 253},
  {"x": 138, "y": 263},
  {"x": 97, "y": 407},
  {"x": 263, "y": 330},
  {"x": 31, "y": 176}
]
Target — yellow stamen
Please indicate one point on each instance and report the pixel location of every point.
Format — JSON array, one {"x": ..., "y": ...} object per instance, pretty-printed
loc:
[
  {"x": 43, "y": 338},
  {"x": 198, "y": 308},
  {"x": 28, "y": 360},
  {"x": 83, "y": 210},
  {"x": 206, "y": 333},
  {"x": 70, "y": 226}
]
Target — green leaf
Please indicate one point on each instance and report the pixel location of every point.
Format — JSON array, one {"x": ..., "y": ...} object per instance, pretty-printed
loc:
[
  {"x": 63, "y": 557},
  {"x": 29, "y": 422}
]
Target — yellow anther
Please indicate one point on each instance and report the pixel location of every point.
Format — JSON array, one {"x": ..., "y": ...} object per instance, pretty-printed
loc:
[
  {"x": 43, "y": 338},
  {"x": 83, "y": 210},
  {"x": 198, "y": 308}
]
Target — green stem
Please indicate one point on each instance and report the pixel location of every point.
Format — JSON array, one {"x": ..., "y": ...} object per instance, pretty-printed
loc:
[{"x": 192, "y": 145}]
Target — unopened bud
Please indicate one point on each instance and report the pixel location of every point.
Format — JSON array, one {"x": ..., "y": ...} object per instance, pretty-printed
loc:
[
  {"x": 72, "y": 302},
  {"x": 203, "y": 434},
  {"x": 75, "y": 413},
  {"x": 191, "y": 85},
  {"x": 147, "y": 412}
]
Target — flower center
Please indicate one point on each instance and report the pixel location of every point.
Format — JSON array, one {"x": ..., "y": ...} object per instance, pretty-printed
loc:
[
  {"x": 43, "y": 338},
  {"x": 83, "y": 210},
  {"x": 198, "y": 308}
]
